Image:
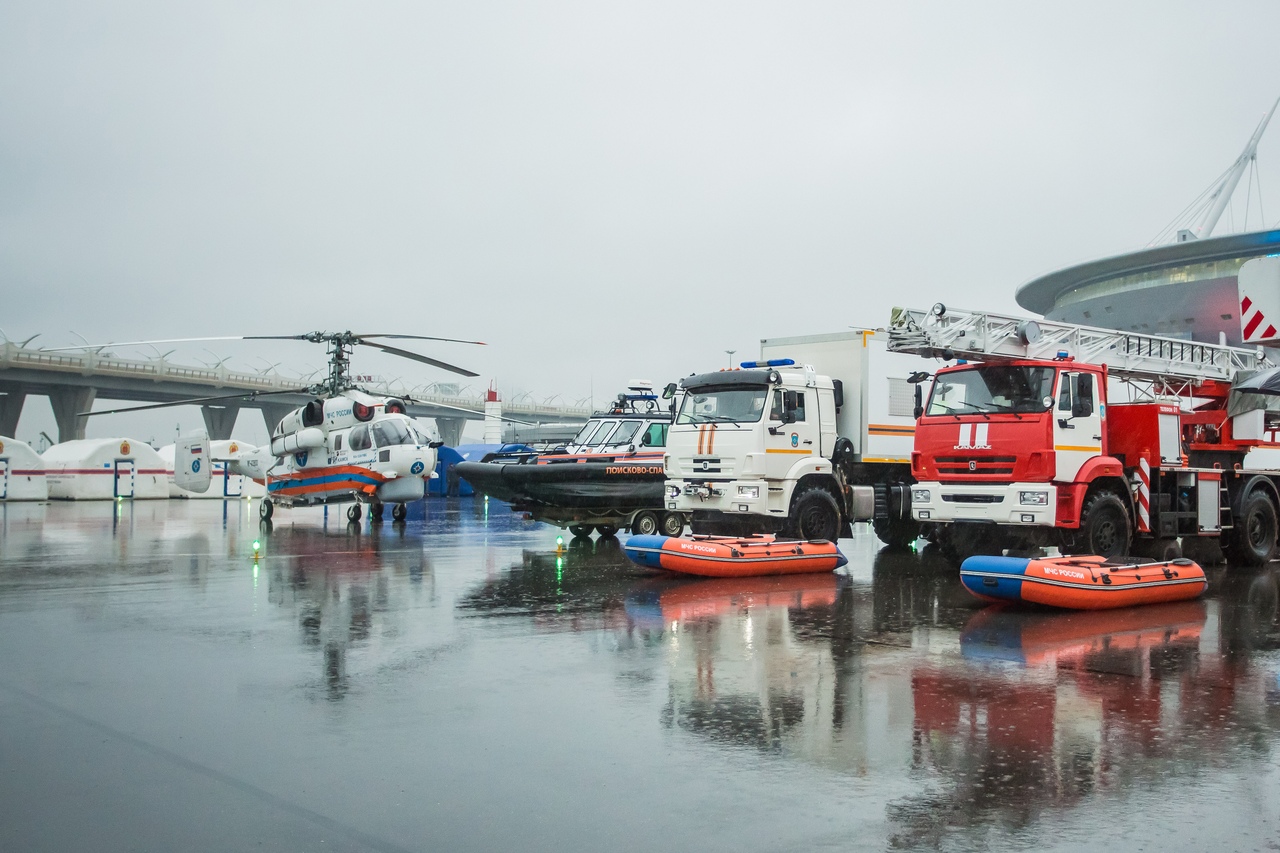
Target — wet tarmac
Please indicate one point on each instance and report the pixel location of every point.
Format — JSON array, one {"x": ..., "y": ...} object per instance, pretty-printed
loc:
[{"x": 456, "y": 684}]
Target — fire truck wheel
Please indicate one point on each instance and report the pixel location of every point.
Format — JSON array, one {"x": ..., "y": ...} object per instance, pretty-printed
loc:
[
  {"x": 353, "y": 512},
  {"x": 1160, "y": 550},
  {"x": 398, "y": 512},
  {"x": 816, "y": 515},
  {"x": 644, "y": 523},
  {"x": 581, "y": 531},
  {"x": 963, "y": 540},
  {"x": 896, "y": 532},
  {"x": 1205, "y": 550},
  {"x": 672, "y": 524},
  {"x": 1253, "y": 538},
  {"x": 1104, "y": 526},
  {"x": 266, "y": 509}
]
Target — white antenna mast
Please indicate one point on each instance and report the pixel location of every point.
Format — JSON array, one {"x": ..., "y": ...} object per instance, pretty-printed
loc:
[{"x": 1222, "y": 193}]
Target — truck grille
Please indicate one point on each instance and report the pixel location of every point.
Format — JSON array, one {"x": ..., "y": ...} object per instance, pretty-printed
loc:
[
  {"x": 973, "y": 499},
  {"x": 975, "y": 464}
]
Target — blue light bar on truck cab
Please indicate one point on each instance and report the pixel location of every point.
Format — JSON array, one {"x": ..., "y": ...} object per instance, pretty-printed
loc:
[{"x": 773, "y": 362}]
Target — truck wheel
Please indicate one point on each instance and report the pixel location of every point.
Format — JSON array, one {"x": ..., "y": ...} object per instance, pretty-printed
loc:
[
  {"x": 1160, "y": 550},
  {"x": 1205, "y": 550},
  {"x": 1104, "y": 526},
  {"x": 606, "y": 530},
  {"x": 1253, "y": 538},
  {"x": 581, "y": 531},
  {"x": 672, "y": 524},
  {"x": 963, "y": 540},
  {"x": 896, "y": 532},
  {"x": 815, "y": 515},
  {"x": 644, "y": 523},
  {"x": 266, "y": 509}
]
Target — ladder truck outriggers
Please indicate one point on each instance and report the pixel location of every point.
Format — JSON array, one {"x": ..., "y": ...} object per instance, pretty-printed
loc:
[{"x": 1023, "y": 441}]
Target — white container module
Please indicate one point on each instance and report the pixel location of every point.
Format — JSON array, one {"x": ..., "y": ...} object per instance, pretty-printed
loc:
[
  {"x": 224, "y": 483},
  {"x": 22, "y": 476},
  {"x": 104, "y": 469}
]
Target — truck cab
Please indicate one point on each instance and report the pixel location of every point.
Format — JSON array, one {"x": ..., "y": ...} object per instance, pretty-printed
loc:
[
  {"x": 743, "y": 439},
  {"x": 1012, "y": 444},
  {"x": 778, "y": 447}
]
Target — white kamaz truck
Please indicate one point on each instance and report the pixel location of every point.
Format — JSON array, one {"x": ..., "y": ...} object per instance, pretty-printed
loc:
[{"x": 812, "y": 437}]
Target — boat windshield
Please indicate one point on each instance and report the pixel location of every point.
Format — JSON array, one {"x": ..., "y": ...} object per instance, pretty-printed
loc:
[
  {"x": 585, "y": 433},
  {"x": 598, "y": 437},
  {"x": 625, "y": 433},
  {"x": 992, "y": 389},
  {"x": 723, "y": 404}
]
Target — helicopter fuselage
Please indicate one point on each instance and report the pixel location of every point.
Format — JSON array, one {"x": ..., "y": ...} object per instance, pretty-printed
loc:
[{"x": 353, "y": 447}]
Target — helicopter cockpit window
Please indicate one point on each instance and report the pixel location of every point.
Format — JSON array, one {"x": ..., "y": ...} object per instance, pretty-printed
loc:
[
  {"x": 392, "y": 432},
  {"x": 359, "y": 438},
  {"x": 624, "y": 433}
]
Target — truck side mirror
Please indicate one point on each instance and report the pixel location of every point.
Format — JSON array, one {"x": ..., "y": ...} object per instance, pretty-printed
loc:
[
  {"x": 669, "y": 391},
  {"x": 919, "y": 409},
  {"x": 837, "y": 388},
  {"x": 1082, "y": 399},
  {"x": 790, "y": 402}
]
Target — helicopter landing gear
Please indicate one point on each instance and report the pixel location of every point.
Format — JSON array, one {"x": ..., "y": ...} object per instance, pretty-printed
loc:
[
  {"x": 375, "y": 512},
  {"x": 266, "y": 509},
  {"x": 354, "y": 512},
  {"x": 398, "y": 512}
]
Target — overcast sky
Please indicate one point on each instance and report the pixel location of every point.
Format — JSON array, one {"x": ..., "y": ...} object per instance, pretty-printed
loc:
[{"x": 603, "y": 191}]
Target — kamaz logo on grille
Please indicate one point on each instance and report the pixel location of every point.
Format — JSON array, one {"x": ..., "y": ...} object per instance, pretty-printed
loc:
[
  {"x": 709, "y": 466},
  {"x": 973, "y": 465},
  {"x": 973, "y": 437}
]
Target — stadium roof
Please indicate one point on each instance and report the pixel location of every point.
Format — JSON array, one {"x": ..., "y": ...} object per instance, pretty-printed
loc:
[{"x": 1040, "y": 295}]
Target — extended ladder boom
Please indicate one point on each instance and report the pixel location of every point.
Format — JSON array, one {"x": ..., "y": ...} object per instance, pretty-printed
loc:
[{"x": 949, "y": 333}]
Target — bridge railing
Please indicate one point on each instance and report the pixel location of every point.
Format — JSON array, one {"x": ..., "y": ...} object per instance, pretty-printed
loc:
[{"x": 13, "y": 356}]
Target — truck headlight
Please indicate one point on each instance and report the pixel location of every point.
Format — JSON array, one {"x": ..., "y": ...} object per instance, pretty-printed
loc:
[
  {"x": 748, "y": 491},
  {"x": 1033, "y": 498},
  {"x": 673, "y": 491},
  {"x": 919, "y": 496}
]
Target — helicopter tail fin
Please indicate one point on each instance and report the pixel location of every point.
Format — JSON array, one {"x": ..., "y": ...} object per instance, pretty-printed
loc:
[{"x": 191, "y": 465}]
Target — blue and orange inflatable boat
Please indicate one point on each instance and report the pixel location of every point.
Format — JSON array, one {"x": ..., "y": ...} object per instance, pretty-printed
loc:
[
  {"x": 1081, "y": 583},
  {"x": 734, "y": 557}
]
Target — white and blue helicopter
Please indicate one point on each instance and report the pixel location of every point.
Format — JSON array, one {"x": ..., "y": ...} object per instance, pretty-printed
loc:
[{"x": 345, "y": 446}]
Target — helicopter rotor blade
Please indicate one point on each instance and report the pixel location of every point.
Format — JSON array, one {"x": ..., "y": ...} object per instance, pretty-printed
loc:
[
  {"x": 246, "y": 395},
  {"x": 422, "y": 338},
  {"x": 413, "y": 356},
  {"x": 140, "y": 343},
  {"x": 413, "y": 401}
]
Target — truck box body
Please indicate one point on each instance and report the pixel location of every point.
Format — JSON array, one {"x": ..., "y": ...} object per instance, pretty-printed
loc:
[{"x": 877, "y": 415}]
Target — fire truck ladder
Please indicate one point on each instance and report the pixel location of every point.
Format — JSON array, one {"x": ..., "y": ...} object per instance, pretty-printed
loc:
[{"x": 948, "y": 333}]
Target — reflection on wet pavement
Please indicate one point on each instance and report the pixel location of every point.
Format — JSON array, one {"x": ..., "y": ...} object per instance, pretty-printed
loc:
[{"x": 458, "y": 683}]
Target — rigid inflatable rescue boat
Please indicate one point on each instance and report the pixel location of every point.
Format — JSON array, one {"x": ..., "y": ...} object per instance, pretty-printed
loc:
[
  {"x": 1081, "y": 583},
  {"x": 734, "y": 557}
]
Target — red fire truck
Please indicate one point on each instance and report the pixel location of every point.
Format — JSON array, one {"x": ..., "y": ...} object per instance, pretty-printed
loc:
[{"x": 1025, "y": 440}]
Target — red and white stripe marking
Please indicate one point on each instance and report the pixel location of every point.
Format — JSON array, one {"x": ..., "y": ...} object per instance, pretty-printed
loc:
[
  {"x": 1254, "y": 325},
  {"x": 1144, "y": 495}
]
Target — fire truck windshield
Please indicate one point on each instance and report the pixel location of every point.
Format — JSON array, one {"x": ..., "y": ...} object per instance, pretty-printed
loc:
[
  {"x": 723, "y": 404},
  {"x": 992, "y": 389}
]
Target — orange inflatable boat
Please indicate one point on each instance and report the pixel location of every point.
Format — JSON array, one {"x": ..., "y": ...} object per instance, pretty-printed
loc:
[
  {"x": 733, "y": 557},
  {"x": 1081, "y": 583}
]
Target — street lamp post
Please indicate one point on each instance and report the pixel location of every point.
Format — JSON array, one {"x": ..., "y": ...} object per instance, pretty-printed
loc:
[{"x": 730, "y": 353}]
